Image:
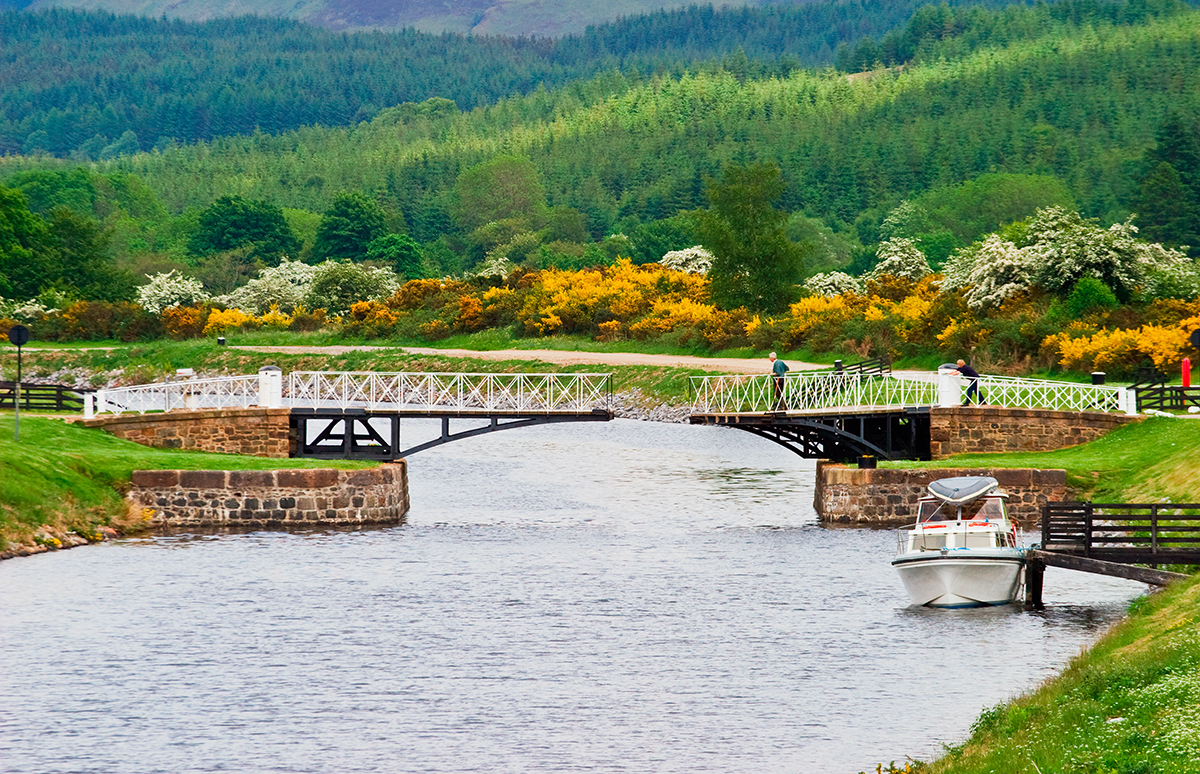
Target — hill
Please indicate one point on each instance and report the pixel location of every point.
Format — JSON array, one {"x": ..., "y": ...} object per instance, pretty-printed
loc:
[
  {"x": 95, "y": 85},
  {"x": 1078, "y": 101},
  {"x": 515, "y": 18}
]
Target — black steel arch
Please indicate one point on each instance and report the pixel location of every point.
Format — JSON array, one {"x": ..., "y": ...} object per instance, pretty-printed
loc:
[
  {"x": 352, "y": 434},
  {"x": 843, "y": 437}
]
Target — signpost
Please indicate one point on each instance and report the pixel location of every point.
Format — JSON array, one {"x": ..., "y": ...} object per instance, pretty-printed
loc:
[{"x": 19, "y": 335}]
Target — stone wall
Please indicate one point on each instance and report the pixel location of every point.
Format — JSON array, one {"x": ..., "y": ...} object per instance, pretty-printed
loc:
[
  {"x": 990, "y": 429},
  {"x": 888, "y": 496},
  {"x": 256, "y": 432},
  {"x": 272, "y": 498}
]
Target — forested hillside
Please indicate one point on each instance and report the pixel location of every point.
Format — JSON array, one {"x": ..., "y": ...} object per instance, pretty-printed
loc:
[
  {"x": 93, "y": 85},
  {"x": 1079, "y": 102}
]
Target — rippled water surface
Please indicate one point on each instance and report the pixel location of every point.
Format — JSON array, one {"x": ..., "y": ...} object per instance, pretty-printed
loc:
[{"x": 629, "y": 597}]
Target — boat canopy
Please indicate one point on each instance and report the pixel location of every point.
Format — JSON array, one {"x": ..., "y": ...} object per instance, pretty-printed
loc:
[{"x": 963, "y": 489}]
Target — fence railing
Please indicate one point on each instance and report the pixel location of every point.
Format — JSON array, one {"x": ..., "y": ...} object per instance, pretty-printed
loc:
[
  {"x": 1144, "y": 533},
  {"x": 1165, "y": 398},
  {"x": 807, "y": 391},
  {"x": 1014, "y": 392},
  {"x": 214, "y": 393},
  {"x": 531, "y": 393},
  {"x": 814, "y": 391},
  {"x": 465, "y": 393},
  {"x": 42, "y": 397}
]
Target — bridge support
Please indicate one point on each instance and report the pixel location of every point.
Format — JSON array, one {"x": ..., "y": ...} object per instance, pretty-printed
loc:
[
  {"x": 363, "y": 434},
  {"x": 895, "y": 434}
]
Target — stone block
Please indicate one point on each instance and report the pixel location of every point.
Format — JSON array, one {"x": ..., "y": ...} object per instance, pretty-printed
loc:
[
  {"x": 202, "y": 479},
  {"x": 159, "y": 479},
  {"x": 248, "y": 479}
]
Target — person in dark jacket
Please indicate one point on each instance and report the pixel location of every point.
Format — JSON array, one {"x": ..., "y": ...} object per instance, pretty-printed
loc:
[
  {"x": 779, "y": 370},
  {"x": 973, "y": 383}
]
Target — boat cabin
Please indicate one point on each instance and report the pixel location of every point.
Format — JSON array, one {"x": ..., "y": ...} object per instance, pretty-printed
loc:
[{"x": 964, "y": 512}]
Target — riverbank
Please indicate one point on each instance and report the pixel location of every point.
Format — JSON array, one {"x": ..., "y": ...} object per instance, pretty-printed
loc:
[
  {"x": 1130, "y": 703},
  {"x": 63, "y": 486}
]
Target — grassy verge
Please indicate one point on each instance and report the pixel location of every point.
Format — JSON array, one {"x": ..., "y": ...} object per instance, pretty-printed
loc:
[
  {"x": 1150, "y": 461},
  {"x": 1129, "y": 705},
  {"x": 64, "y": 478}
]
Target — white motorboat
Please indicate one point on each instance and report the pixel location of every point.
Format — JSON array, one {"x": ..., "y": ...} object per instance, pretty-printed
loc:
[{"x": 962, "y": 552}]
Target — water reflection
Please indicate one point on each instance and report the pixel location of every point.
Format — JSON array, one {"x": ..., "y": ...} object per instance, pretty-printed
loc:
[{"x": 630, "y": 597}]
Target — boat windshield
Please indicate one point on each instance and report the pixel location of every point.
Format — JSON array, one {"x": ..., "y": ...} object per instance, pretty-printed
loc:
[{"x": 984, "y": 508}]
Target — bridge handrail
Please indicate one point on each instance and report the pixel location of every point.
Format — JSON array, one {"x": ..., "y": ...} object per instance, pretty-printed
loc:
[
  {"x": 211, "y": 393},
  {"x": 738, "y": 393},
  {"x": 1019, "y": 392},
  {"x": 808, "y": 391},
  {"x": 531, "y": 393}
]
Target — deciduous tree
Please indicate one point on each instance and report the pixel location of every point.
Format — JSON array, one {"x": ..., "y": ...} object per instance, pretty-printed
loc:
[{"x": 754, "y": 265}]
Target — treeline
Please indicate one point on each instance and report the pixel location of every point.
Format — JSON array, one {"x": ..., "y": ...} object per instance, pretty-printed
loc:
[
  {"x": 952, "y": 32},
  {"x": 1079, "y": 103},
  {"x": 91, "y": 85}
]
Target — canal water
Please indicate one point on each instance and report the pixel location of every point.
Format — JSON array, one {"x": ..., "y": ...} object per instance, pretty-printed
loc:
[{"x": 630, "y": 597}]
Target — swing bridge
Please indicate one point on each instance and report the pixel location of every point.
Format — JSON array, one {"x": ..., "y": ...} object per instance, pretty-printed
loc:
[{"x": 843, "y": 414}]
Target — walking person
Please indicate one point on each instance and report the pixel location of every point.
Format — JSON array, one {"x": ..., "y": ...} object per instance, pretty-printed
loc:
[
  {"x": 972, "y": 383},
  {"x": 779, "y": 370}
]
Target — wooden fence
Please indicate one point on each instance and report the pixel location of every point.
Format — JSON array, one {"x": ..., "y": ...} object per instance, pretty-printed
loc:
[
  {"x": 1156, "y": 533},
  {"x": 42, "y": 397},
  {"x": 1167, "y": 397}
]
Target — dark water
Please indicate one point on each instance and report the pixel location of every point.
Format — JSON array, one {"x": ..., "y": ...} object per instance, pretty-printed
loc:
[{"x": 632, "y": 597}]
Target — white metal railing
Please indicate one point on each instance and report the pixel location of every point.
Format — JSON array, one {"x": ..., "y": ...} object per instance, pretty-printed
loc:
[
  {"x": 192, "y": 394},
  {"x": 467, "y": 393},
  {"x": 533, "y": 393},
  {"x": 1014, "y": 392},
  {"x": 825, "y": 390}
]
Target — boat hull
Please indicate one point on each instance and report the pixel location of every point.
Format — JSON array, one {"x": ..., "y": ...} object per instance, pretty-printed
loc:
[{"x": 962, "y": 578}]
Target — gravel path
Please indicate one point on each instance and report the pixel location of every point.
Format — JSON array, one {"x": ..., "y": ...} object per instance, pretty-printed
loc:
[{"x": 729, "y": 365}]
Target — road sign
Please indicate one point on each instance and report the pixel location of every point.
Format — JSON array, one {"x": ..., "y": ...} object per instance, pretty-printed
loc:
[{"x": 19, "y": 335}]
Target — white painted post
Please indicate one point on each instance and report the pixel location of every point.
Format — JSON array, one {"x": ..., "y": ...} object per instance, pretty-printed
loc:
[
  {"x": 949, "y": 391},
  {"x": 270, "y": 387},
  {"x": 1129, "y": 400},
  {"x": 89, "y": 406}
]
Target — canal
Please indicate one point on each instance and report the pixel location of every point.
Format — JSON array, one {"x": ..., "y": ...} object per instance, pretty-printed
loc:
[{"x": 629, "y": 597}]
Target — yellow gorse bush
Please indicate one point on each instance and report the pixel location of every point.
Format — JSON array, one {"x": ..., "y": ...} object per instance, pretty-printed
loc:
[
  {"x": 225, "y": 320},
  {"x": 1122, "y": 349}
]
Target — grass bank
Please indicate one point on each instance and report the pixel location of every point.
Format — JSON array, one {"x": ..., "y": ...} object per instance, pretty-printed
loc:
[
  {"x": 1154, "y": 460},
  {"x": 60, "y": 478},
  {"x": 1128, "y": 705}
]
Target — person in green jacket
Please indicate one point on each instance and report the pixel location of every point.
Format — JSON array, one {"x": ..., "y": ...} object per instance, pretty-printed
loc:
[{"x": 779, "y": 370}]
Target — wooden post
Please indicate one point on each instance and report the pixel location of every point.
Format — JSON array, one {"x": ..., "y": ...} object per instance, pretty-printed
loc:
[{"x": 1035, "y": 571}]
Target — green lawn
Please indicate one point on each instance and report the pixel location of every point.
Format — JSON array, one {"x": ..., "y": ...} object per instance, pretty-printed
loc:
[
  {"x": 1145, "y": 462},
  {"x": 67, "y": 477}
]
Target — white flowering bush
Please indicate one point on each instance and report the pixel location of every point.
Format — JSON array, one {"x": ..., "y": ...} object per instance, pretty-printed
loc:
[
  {"x": 284, "y": 286},
  {"x": 693, "y": 260},
  {"x": 991, "y": 273},
  {"x": 833, "y": 283},
  {"x": 24, "y": 311},
  {"x": 170, "y": 289},
  {"x": 1056, "y": 250},
  {"x": 495, "y": 266},
  {"x": 900, "y": 257},
  {"x": 338, "y": 285}
]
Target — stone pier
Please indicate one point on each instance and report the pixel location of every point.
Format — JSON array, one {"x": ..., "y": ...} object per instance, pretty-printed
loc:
[
  {"x": 272, "y": 498},
  {"x": 888, "y": 496}
]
